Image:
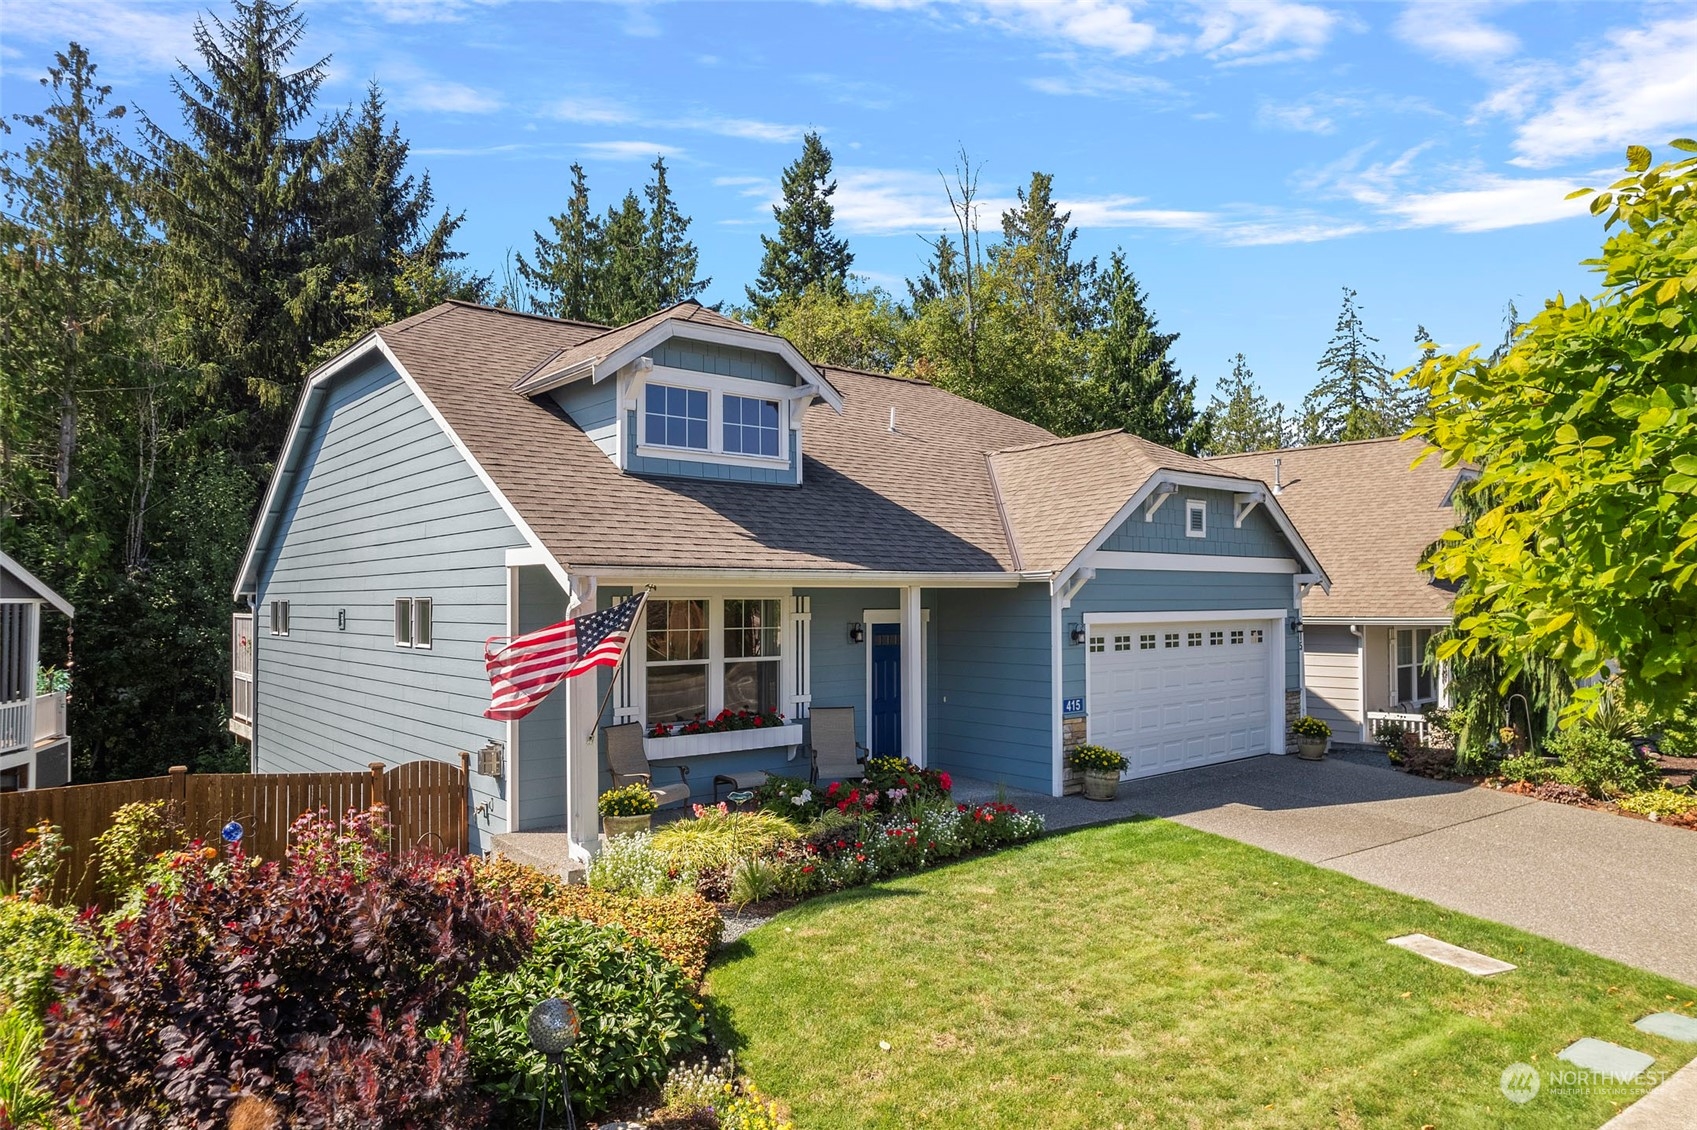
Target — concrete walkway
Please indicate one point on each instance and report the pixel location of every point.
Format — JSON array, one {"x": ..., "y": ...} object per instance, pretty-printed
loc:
[{"x": 1622, "y": 888}]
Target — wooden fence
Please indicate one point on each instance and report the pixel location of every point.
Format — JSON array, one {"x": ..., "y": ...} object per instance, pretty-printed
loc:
[{"x": 426, "y": 803}]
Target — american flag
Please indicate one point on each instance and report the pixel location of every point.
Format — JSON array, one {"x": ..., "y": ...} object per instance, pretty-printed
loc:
[{"x": 524, "y": 669}]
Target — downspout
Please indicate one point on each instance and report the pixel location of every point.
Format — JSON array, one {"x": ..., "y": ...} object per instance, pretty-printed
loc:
[{"x": 1361, "y": 675}]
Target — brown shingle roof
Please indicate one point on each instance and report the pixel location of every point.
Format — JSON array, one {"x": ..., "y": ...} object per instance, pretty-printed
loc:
[
  {"x": 916, "y": 499},
  {"x": 1369, "y": 515},
  {"x": 1099, "y": 473}
]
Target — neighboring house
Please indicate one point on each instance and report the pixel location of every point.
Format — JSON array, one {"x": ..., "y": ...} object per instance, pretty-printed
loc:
[
  {"x": 1371, "y": 515},
  {"x": 35, "y": 752},
  {"x": 981, "y": 592}
]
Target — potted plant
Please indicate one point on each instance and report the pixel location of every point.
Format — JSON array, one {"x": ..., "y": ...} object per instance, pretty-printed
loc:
[
  {"x": 626, "y": 809},
  {"x": 1311, "y": 737},
  {"x": 1101, "y": 768}
]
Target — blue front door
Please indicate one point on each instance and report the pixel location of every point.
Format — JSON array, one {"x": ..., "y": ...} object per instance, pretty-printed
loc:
[{"x": 886, "y": 731}]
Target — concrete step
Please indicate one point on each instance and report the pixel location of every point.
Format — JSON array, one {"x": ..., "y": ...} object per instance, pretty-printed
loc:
[{"x": 545, "y": 851}]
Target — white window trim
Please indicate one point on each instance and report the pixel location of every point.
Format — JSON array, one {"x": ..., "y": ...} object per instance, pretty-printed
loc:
[
  {"x": 872, "y": 616},
  {"x": 635, "y": 706},
  {"x": 1396, "y": 668},
  {"x": 1195, "y": 506},
  {"x": 279, "y": 618},
  {"x": 717, "y": 388},
  {"x": 413, "y": 603}
]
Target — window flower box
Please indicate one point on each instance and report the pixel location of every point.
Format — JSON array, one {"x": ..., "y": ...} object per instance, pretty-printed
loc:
[{"x": 726, "y": 741}]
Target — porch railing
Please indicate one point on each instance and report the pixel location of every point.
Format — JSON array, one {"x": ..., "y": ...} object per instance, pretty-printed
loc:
[
  {"x": 50, "y": 716},
  {"x": 1411, "y": 723},
  {"x": 16, "y": 732}
]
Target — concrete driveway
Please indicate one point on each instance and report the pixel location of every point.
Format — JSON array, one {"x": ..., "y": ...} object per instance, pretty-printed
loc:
[{"x": 1622, "y": 888}]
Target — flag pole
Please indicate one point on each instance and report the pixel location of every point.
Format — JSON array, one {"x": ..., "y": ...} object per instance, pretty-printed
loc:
[{"x": 613, "y": 683}]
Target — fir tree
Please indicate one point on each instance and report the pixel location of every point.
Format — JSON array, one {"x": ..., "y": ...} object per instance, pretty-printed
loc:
[
  {"x": 1037, "y": 246},
  {"x": 562, "y": 280},
  {"x": 1135, "y": 384},
  {"x": 1357, "y": 397},
  {"x": 623, "y": 289},
  {"x": 670, "y": 258},
  {"x": 1243, "y": 419},
  {"x": 806, "y": 255},
  {"x": 237, "y": 198}
]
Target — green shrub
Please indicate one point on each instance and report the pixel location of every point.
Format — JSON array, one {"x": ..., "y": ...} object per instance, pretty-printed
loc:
[
  {"x": 637, "y": 1010},
  {"x": 24, "y": 1101},
  {"x": 719, "y": 838},
  {"x": 793, "y": 798},
  {"x": 682, "y": 925},
  {"x": 1601, "y": 765},
  {"x": 133, "y": 838},
  {"x": 1098, "y": 758},
  {"x": 37, "y": 938},
  {"x": 1659, "y": 802},
  {"x": 755, "y": 880},
  {"x": 1527, "y": 767},
  {"x": 630, "y": 864}
]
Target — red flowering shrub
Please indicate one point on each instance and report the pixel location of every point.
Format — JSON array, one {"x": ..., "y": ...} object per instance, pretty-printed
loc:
[{"x": 307, "y": 983}]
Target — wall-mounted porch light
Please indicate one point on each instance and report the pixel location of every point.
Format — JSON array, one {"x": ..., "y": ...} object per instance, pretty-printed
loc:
[
  {"x": 1078, "y": 633},
  {"x": 857, "y": 632}
]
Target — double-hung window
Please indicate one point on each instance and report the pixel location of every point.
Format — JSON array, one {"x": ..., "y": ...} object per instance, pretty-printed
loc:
[
  {"x": 703, "y": 655},
  {"x": 1416, "y": 682},
  {"x": 675, "y": 417}
]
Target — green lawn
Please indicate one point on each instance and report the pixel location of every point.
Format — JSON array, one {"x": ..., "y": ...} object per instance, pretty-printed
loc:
[{"x": 1146, "y": 974}]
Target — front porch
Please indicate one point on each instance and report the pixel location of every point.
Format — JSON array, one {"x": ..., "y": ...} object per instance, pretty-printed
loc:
[{"x": 35, "y": 749}]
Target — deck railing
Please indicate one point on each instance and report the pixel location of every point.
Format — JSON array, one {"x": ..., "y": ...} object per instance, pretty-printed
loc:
[
  {"x": 1411, "y": 723},
  {"x": 16, "y": 730},
  {"x": 49, "y": 716}
]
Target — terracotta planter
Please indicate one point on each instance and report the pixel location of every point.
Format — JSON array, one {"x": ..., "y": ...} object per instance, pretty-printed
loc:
[
  {"x": 625, "y": 825},
  {"x": 1101, "y": 784},
  {"x": 1311, "y": 749}
]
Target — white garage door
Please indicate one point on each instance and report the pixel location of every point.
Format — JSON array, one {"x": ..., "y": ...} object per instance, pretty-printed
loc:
[{"x": 1175, "y": 696}]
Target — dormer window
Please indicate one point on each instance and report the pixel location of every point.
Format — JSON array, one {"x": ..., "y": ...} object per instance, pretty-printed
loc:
[
  {"x": 751, "y": 426},
  {"x": 675, "y": 417}
]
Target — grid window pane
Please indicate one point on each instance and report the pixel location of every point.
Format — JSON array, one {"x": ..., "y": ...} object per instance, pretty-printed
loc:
[
  {"x": 1122, "y": 643},
  {"x": 751, "y": 426},
  {"x": 677, "y": 693},
  {"x": 751, "y": 684},
  {"x": 677, "y": 631},
  {"x": 1215, "y": 639},
  {"x": 1237, "y": 635},
  {"x": 1170, "y": 639},
  {"x": 1256, "y": 635},
  {"x": 1193, "y": 639},
  {"x": 1098, "y": 643},
  {"x": 675, "y": 417},
  {"x": 1146, "y": 642},
  {"x": 752, "y": 628}
]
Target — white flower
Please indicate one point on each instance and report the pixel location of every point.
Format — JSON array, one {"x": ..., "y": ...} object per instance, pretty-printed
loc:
[{"x": 806, "y": 795}]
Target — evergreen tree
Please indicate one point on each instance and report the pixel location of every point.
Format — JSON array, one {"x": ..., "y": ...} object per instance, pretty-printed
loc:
[
  {"x": 1357, "y": 397},
  {"x": 236, "y": 198},
  {"x": 1135, "y": 384},
  {"x": 378, "y": 252},
  {"x": 562, "y": 280},
  {"x": 806, "y": 254},
  {"x": 623, "y": 281},
  {"x": 1037, "y": 248},
  {"x": 670, "y": 258},
  {"x": 1243, "y": 419},
  {"x": 73, "y": 239}
]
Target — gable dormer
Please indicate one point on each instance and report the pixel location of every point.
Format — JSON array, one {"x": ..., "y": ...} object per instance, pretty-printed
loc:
[{"x": 688, "y": 393}]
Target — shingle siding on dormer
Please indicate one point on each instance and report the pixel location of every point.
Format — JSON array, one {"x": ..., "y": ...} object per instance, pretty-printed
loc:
[
  {"x": 724, "y": 361},
  {"x": 1259, "y": 536}
]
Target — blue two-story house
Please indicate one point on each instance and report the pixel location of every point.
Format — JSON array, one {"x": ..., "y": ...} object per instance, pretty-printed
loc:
[{"x": 983, "y": 593}]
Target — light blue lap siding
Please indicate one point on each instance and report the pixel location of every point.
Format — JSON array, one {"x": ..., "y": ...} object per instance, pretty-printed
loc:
[
  {"x": 724, "y": 360},
  {"x": 383, "y": 507},
  {"x": 1259, "y": 535},
  {"x": 1149, "y": 590},
  {"x": 594, "y": 408},
  {"x": 995, "y": 718}
]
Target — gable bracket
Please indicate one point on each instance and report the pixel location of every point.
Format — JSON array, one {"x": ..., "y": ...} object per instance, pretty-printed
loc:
[
  {"x": 1244, "y": 504},
  {"x": 1078, "y": 581},
  {"x": 1162, "y": 492}
]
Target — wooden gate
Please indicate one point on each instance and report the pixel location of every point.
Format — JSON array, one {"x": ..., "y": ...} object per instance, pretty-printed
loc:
[{"x": 426, "y": 802}]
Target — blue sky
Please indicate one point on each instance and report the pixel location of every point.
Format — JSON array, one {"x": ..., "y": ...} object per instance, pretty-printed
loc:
[{"x": 1252, "y": 158}]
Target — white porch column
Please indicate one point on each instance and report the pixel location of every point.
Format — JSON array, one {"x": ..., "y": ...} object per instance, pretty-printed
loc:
[
  {"x": 583, "y": 759},
  {"x": 913, "y": 676}
]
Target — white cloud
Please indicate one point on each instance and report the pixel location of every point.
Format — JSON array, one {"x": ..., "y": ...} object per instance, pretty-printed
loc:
[
  {"x": 591, "y": 111},
  {"x": 1098, "y": 82},
  {"x": 437, "y": 96},
  {"x": 1448, "y": 30},
  {"x": 1300, "y": 117},
  {"x": 1101, "y": 25},
  {"x": 120, "y": 37},
  {"x": 1641, "y": 87},
  {"x": 1488, "y": 203},
  {"x": 428, "y": 11},
  {"x": 629, "y": 150},
  {"x": 749, "y": 129},
  {"x": 1235, "y": 32}
]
